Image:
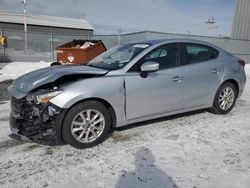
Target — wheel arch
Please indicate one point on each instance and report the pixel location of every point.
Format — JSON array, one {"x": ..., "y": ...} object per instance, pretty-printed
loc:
[
  {"x": 59, "y": 119},
  {"x": 216, "y": 106},
  {"x": 105, "y": 103},
  {"x": 235, "y": 83}
]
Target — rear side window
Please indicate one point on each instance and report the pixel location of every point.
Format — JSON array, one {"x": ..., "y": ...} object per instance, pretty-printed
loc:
[{"x": 197, "y": 53}]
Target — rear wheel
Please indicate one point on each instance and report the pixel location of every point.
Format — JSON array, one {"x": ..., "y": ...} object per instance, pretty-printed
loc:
[
  {"x": 86, "y": 124},
  {"x": 225, "y": 99}
]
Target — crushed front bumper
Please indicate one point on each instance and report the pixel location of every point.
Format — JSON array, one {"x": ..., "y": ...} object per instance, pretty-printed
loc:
[
  {"x": 26, "y": 126},
  {"x": 14, "y": 131},
  {"x": 18, "y": 132}
]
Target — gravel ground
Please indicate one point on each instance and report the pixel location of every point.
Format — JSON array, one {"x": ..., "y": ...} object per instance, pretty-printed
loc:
[{"x": 193, "y": 150}]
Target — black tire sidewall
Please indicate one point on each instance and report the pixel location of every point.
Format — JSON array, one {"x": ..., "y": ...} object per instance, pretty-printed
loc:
[
  {"x": 216, "y": 106},
  {"x": 66, "y": 126}
]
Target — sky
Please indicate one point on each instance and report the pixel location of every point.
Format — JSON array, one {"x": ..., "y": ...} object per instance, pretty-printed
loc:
[{"x": 112, "y": 16}]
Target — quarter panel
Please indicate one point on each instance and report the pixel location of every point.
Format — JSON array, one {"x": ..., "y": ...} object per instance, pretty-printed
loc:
[
  {"x": 202, "y": 82},
  {"x": 234, "y": 71}
]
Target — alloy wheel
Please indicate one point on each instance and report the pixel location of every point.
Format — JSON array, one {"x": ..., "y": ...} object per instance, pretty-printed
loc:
[
  {"x": 87, "y": 125},
  {"x": 226, "y": 98}
]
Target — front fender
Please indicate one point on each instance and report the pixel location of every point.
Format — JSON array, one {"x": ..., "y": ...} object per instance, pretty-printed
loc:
[{"x": 110, "y": 89}]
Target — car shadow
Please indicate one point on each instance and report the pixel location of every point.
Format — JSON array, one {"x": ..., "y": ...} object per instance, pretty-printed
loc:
[
  {"x": 46, "y": 140},
  {"x": 146, "y": 173}
]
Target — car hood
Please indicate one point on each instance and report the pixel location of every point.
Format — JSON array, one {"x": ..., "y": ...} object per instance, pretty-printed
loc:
[{"x": 35, "y": 79}]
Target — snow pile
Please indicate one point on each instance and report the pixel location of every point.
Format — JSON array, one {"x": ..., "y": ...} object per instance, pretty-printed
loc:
[{"x": 16, "y": 69}]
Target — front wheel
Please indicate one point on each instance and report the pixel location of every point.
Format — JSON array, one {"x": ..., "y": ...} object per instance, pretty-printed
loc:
[
  {"x": 86, "y": 124},
  {"x": 225, "y": 99}
]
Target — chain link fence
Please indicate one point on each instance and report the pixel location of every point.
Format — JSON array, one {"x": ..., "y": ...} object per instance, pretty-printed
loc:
[{"x": 41, "y": 46}]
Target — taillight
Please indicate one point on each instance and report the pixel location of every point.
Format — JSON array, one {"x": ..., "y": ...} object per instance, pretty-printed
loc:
[{"x": 242, "y": 63}]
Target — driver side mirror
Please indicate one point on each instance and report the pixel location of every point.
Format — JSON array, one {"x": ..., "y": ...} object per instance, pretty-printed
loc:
[{"x": 148, "y": 67}]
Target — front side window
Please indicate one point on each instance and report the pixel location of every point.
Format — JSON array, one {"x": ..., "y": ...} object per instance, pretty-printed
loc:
[
  {"x": 117, "y": 57},
  {"x": 197, "y": 53},
  {"x": 166, "y": 56}
]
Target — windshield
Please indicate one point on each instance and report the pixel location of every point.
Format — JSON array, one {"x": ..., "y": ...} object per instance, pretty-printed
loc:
[{"x": 117, "y": 57}]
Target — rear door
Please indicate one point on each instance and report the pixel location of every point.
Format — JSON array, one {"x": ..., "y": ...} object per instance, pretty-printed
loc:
[{"x": 202, "y": 70}]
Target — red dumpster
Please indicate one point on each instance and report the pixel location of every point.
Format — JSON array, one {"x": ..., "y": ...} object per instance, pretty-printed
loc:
[
  {"x": 79, "y": 51},
  {"x": 2, "y": 40}
]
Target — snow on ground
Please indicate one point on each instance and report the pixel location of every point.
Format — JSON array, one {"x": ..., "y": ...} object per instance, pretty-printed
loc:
[
  {"x": 196, "y": 149},
  {"x": 16, "y": 69}
]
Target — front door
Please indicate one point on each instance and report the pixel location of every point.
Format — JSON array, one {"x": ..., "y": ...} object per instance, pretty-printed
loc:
[{"x": 159, "y": 92}]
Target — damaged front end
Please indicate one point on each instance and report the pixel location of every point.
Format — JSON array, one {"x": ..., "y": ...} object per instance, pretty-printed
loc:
[
  {"x": 32, "y": 113},
  {"x": 34, "y": 117}
]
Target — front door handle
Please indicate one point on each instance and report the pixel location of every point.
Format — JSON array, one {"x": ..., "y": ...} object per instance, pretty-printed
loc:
[
  {"x": 215, "y": 70},
  {"x": 177, "y": 78}
]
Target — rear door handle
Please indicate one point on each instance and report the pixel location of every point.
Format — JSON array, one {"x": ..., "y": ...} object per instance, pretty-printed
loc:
[{"x": 177, "y": 78}]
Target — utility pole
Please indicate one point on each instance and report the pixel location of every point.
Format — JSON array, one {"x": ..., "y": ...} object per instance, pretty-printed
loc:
[
  {"x": 119, "y": 36},
  {"x": 210, "y": 23},
  {"x": 25, "y": 24}
]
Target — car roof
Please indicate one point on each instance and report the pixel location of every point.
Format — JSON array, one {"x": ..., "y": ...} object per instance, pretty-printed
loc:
[{"x": 179, "y": 40}]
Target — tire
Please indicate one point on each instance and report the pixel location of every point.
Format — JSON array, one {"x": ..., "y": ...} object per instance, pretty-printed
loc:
[
  {"x": 225, "y": 99},
  {"x": 86, "y": 124}
]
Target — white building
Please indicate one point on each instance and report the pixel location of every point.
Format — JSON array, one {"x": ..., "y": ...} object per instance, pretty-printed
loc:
[
  {"x": 241, "y": 21},
  {"x": 45, "y": 24}
]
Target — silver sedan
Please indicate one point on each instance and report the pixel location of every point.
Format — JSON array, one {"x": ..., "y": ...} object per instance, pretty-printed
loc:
[{"x": 129, "y": 83}]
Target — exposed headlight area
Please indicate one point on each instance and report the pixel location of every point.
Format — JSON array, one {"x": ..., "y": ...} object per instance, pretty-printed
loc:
[
  {"x": 41, "y": 106},
  {"x": 46, "y": 97}
]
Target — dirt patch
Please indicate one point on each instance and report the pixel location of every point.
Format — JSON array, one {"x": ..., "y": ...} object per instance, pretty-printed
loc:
[
  {"x": 10, "y": 143},
  {"x": 4, "y": 94},
  {"x": 32, "y": 147},
  {"x": 119, "y": 137}
]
